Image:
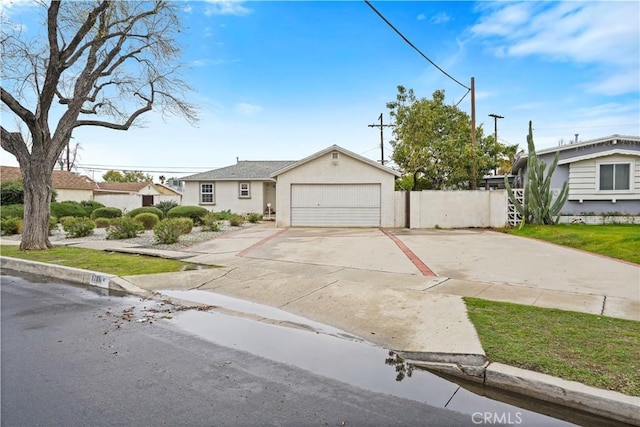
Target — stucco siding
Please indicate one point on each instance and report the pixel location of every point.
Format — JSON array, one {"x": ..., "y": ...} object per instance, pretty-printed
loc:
[
  {"x": 326, "y": 170},
  {"x": 73, "y": 195},
  {"x": 226, "y": 196}
]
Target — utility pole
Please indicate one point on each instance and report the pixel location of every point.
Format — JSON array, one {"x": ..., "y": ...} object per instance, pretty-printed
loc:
[
  {"x": 474, "y": 170},
  {"x": 381, "y": 126},
  {"x": 495, "y": 125},
  {"x": 495, "y": 133}
]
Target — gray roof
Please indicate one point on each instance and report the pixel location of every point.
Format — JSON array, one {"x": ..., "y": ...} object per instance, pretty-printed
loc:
[{"x": 250, "y": 170}]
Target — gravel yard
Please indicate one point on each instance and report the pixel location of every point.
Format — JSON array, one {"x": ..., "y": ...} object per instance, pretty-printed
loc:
[{"x": 145, "y": 240}]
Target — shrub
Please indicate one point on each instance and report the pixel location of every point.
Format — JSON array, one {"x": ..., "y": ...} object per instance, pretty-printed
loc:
[
  {"x": 169, "y": 230},
  {"x": 147, "y": 219},
  {"x": 102, "y": 222},
  {"x": 12, "y": 193},
  {"x": 165, "y": 206},
  {"x": 53, "y": 223},
  {"x": 9, "y": 226},
  {"x": 67, "y": 208},
  {"x": 12, "y": 211},
  {"x": 106, "y": 213},
  {"x": 186, "y": 224},
  {"x": 78, "y": 227},
  {"x": 90, "y": 206},
  {"x": 123, "y": 228},
  {"x": 210, "y": 222},
  {"x": 196, "y": 213},
  {"x": 222, "y": 215},
  {"x": 236, "y": 220},
  {"x": 254, "y": 218},
  {"x": 65, "y": 219},
  {"x": 146, "y": 209}
]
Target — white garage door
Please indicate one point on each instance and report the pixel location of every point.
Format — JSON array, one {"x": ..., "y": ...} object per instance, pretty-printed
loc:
[{"x": 335, "y": 205}]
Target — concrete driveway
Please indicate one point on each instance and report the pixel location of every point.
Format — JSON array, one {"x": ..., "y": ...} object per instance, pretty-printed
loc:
[{"x": 480, "y": 263}]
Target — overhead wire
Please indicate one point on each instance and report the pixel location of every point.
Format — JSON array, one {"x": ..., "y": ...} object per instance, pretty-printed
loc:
[{"x": 414, "y": 46}]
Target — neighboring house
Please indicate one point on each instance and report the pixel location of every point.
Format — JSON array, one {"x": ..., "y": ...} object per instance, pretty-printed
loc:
[
  {"x": 246, "y": 187},
  {"x": 68, "y": 185},
  {"x": 132, "y": 195},
  {"x": 335, "y": 188},
  {"x": 603, "y": 174}
]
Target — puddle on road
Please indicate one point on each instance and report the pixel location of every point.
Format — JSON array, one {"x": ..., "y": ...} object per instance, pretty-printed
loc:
[{"x": 326, "y": 353}]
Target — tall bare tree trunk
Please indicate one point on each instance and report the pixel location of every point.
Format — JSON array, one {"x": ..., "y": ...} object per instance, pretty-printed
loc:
[{"x": 37, "y": 177}]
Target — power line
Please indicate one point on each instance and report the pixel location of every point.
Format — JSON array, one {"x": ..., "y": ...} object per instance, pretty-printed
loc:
[{"x": 413, "y": 46}]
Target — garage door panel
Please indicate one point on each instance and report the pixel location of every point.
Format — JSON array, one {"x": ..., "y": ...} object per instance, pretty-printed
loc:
[
  {"x": 335, "y": 195},
  {"x": 335, "y": 205},
  {"x": 335, "y": 217}
]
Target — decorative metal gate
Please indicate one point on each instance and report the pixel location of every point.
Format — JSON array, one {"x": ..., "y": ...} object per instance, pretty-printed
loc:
[{"x": 513, "y": 216}]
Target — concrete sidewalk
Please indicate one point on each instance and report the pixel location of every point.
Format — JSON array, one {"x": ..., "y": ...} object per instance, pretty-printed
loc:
[{"x": 373, "y": 284}]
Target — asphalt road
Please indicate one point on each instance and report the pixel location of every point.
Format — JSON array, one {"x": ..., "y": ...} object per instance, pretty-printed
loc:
[{"x": 73, "y": 357}]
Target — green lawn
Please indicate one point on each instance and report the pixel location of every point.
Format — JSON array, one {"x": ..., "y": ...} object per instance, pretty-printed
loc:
[
  {"x": 595, "y": 350},
  {"x": 616, "y": 241},
  {"x": 95, "y": 260}
]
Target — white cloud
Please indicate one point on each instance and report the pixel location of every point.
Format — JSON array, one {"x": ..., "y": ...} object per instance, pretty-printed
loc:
[
  {"x": 247, "y": 109},
  {"x": 440, "y": 18},
  {"x": 226, "y": 7},
  {"x": 421, "y": 17},
  {"x": 598, "y": 33}
]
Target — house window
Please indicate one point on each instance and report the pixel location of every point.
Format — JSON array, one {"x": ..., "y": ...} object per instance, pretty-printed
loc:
[
  {"x": 244, "y": 190},
  {"x": 614, "y": 177},
  {"x": 206, "y": 193},
  {"x": 334, "y": 155}
]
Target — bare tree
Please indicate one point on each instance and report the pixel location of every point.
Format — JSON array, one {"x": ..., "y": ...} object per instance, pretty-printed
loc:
[
  {"x": 68, "y": 158},
  {"x": 102, "y": 63}
]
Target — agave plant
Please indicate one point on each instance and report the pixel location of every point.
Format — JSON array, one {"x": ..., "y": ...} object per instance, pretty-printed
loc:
[{"x": 539, "y": 205}]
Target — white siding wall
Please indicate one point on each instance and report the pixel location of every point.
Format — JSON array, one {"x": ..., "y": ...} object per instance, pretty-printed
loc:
[
  {"x": 125, "y": 202},
  {"x": 583, "y": 179},
  {"x": 346, "y": 170},
  {"x": 73, "y": 195}
]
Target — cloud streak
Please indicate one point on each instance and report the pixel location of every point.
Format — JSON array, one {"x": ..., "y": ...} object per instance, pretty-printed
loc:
[{"x": 593, "y": 33}]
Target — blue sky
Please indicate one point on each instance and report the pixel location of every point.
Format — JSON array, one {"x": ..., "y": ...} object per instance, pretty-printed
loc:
[{"x": 282, "y": 80}]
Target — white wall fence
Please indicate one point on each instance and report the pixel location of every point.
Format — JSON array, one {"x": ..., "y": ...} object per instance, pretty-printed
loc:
[
  {"x": 481, "y": 208},
  {"x": 128, "y": 202},
  {"x": 451, "y": 209}
]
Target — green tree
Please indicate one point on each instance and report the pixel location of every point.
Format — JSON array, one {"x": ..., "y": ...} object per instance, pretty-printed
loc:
[
  {"x": 432, "y": 143},
  {"x": 101, "y": 63},
  {"x": 126, "y": 176}
]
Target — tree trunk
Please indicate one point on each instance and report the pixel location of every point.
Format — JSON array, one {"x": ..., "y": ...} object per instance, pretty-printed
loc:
[{"x": 37, "y": 205}]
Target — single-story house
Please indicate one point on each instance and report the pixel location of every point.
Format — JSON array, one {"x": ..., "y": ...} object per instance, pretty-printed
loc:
[
  {"x": 68, "y": 185},
  {"x": 331, "y": 188},
  {"x": 131, "y": 195},
  {"x": 603, "y": 174}
]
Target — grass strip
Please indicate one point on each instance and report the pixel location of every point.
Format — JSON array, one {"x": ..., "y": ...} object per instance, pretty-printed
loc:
[
  {"x": 620, "y": 241},
  {"x": 599, "y": 351},
  {"x": 96, "y": 260}
]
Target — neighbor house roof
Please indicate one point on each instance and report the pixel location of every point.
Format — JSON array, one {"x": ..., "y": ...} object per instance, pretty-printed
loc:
[
  {"x": 249, "y": 170},
  {"x": 127, "y": 187},
  {"x": 616, "y": 141},
  {"x": 60, "y": 179},
  {"x": 329, "y": 150}
]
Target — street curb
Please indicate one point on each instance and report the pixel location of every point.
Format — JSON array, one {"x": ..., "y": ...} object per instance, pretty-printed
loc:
[
  {"x": 606, "y": 403},
  {"x": 77, "y": 275},
  {"x": 571, "y": 394}
]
